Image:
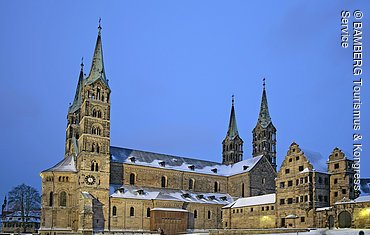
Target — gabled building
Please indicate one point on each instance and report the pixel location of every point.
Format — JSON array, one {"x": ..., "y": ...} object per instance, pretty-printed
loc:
[{"x": 310, "y": 192}]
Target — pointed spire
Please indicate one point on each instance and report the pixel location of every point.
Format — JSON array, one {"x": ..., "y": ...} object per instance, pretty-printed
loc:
[
  {"x": 264, "y": 117},
  {"x": 233, "y": 129},
  {"x": 78, "y": 95},
  {"x": 97, "y": 68}
]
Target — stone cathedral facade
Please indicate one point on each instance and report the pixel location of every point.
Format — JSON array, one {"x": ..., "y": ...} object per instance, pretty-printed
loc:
[{"x": 97, "y": 187}]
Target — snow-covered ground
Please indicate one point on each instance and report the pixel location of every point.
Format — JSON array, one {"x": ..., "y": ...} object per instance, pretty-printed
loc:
[
  {"x": 331, "y": 232},
  {"x": 319, "y": 232}
]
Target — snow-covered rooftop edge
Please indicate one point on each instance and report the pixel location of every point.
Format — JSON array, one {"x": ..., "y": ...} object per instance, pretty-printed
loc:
[
  {"x": 360, "y": 199},
  {"x": 146, "y": 193},
  {"x": 253, "y": 201}
]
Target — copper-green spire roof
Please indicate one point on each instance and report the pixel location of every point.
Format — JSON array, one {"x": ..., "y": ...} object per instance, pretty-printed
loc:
[
  {"x": 264, "y": 117},
  {"x": 97, "y": 68},
  {"x": 78, "y": 96},
  {"x": 232, "y": 132}
]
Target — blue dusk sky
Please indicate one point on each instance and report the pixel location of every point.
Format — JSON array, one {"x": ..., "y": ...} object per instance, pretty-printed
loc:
[{"x": 173, "y": 67}]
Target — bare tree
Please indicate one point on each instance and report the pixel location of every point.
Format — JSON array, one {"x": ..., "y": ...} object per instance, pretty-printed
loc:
[{"x": 25, "y": 199}]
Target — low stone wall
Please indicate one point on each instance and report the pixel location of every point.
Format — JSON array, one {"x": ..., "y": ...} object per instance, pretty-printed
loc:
[{"x": 255, "y": 231}]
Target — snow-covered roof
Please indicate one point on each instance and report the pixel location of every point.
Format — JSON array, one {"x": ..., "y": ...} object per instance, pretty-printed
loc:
[
  {"x": 87, "y": 195},
  {"x": 143, "y": 193},
  {"x": 168, "y": 209},
  {"x": 33, "y": 216},
  {"x": 360, "y": 199},
  {"x": 253, "y": 201},
  {"x": 66, "y": 165},
  {"x": 143, "y": 158},
  {"x": 317, "y": 161},
  {"x": 324, "y": 208},
  {"x": 291, "y": 216}
]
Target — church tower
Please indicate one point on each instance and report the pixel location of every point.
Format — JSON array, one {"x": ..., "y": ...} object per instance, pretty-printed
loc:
[
  {"x": 88, "y": 138},
  {"x": 232, "y": 146},
  {"x": 264, "y": 134}
]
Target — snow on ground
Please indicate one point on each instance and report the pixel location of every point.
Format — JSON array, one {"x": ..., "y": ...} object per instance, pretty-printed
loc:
[
  {"x": 331, "y": 232},
  {"x": 319, "y": 232}
]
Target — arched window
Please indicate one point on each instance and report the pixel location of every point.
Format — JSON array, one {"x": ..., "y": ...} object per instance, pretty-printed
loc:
[
  {"x": 51, "y": 199},
  {"x": 114, "y": 211},
  {"x": 96, "y": 130},
  {"x": 132, "y": 211},
  {"x": 60, "y": 178},
  {"x": 94, "y": 113},
  {"x": 67, "y": 178},
  {"x": 98, "y": 93},
  {"x": 93, "y": 147},
  {"x": 97, "y": 148},
  {"x": 63, "y": 199},
  {"x": 195, "y": 214},
  {"x": 163, "y": 181},
  {"x": 92, "y": 166},
  {"x": 191, "y": 184},
  {"x": 216, "y": 187},
  {"x": 99, "y": 113},
  {"x": 148, "y": 212},
  {"x": 242, "y": 189},
  {"x": 96, "y": 166},
  {"x": 132, "y": 178},
  {"x": 209, "y": 215}
]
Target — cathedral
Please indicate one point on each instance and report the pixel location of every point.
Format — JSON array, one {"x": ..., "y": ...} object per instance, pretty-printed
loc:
[{"x": 99, "y": 188}]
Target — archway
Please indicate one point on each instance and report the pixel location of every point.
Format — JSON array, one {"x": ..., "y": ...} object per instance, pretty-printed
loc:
[
  {"x": 331, "y": 222},
  {"x": 344, "y": 219}
]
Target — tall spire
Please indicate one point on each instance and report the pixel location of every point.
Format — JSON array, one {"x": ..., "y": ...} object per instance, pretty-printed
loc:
[
  {"x": 233, "y": 129},
  {"x": 97, "y": 68},
  {"x": 264, "y": 117},
  {"x": 78, "y": 95},
  {"x": 264, "y": 134},
  {"x": 232, "y": 145}
]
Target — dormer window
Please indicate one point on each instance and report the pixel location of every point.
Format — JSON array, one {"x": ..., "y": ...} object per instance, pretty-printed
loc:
[
  {"x": 140, "y": 192},
  {"x": 132, "y": 159},
  {"x": 223, "y": 198},
  {"x": 211, "y": 197},
  {"x": 162, "y": 163},
  {"x": 121, "y": 190},
  {"x": 186, "y": 195},
  {"x": 191, "y": 167},
  {"x": 245, "y": 168},
  {"x": 214, "y": 170}
]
